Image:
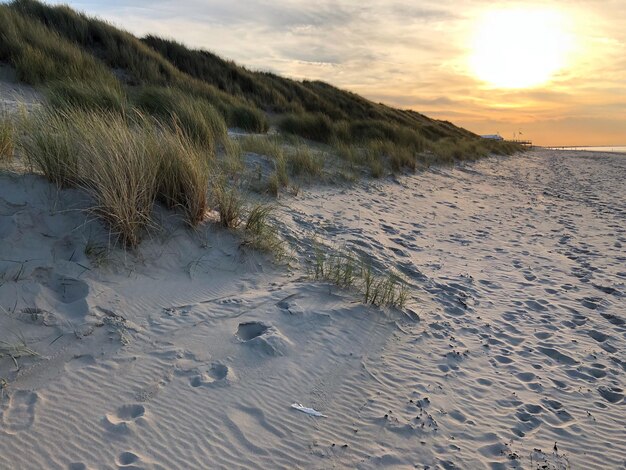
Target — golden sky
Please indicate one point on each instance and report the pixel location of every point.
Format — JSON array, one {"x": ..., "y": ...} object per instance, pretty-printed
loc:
[{"x": 554, "y": 71}]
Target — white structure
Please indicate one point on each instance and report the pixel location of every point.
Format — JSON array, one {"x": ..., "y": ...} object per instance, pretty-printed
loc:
[{"x": 492, "y": 137}]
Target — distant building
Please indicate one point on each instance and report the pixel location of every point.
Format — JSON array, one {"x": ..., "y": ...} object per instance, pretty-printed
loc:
[{"x": 492, "y": 137}]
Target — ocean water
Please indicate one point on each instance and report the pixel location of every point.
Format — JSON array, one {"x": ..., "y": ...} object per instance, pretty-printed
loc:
[{"x": 612, "y": 149}]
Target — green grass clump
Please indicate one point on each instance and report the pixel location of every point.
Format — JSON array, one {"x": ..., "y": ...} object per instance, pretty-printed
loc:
[
  {"x": 183, "y": 176},
  {"x": 347, "y": 271},
  {"x": 247, "y": 118},
  {"x": 120, "y": 170},
  {"x": 451, "y": 150},
  {"x": 260, "y": 233},
  {"x": 318, "y": 127},
  {"x": 124, "y": 162},
  {"x": 261, "y": 145},
  {"x": 270, "y": 147},
  {"x": 6, "y": 138},
  {"x": 232, "y": 162},
  {"x": 229, "y": 203},
  {"x": 91, "y": 95},
  {"x": 398, "y": 157},
  {"x": 197, "y": 118},
  {"x": 49, "y": 142},
  {"x": 302, "y": 162}
]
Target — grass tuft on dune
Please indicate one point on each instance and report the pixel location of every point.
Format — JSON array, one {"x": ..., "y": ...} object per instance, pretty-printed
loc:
[
  {"x": 125, "y": 162},
  {"x": 6, "y": 138}
]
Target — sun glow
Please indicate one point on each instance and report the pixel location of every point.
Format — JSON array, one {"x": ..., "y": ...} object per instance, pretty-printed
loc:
[{"x": 520, "y": 47}]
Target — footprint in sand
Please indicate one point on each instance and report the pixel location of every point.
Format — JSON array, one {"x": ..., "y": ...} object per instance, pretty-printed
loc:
[
  {"x": 77, "y": 466},
  {"x": 19, "y": 413},
  {"x": 217, "y": 374},
  {"x": 613, "y": 395},
  {"x": 264, "y": 338},
  {"x": 129, "y": 460},
  {"x": 122, "y": 420},
  {"x": 250, "y": 330}
]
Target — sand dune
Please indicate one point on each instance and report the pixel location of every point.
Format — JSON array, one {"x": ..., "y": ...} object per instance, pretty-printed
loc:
[{"x": 190, "y": 353}]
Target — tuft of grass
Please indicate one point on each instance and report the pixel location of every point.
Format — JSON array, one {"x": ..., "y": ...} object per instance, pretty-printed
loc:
[
  {"x": 16, "y": 350},
  {"x": 347, "y": 271},
  {"x": 229, "y": 203},
  {"x": 120, "y": 169},
  {"x": 303, "y": 162},
  {"x": 270, "y": 147},
  {"x": 198, "y": 119},
  {"x": 90, "y": 95},
  {"x": 183, "y": 175},
  {"x": 318, "y": 127},
  {"x": 49, "y": 142},
  {"x": 261, "y": 145},
  {"x": 97, "y": 254},
  {"x": 7, "y": 140},
  {"x": 247, "y": 118},
  {"x": 274, "y": 185},
  {"x": 124, "y": 162},
  {"x": 260, "y": 233},
  {"x": 232, "y": 162}
]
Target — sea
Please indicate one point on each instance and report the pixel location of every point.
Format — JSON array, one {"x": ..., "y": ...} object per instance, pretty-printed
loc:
[{"x": 612, "y": 149}]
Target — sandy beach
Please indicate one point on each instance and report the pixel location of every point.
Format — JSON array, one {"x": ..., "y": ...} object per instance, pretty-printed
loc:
[{"x": 190, "y": 352}]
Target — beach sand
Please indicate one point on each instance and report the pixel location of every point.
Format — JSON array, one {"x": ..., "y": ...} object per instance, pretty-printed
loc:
[{"x": 190, "y": 352}]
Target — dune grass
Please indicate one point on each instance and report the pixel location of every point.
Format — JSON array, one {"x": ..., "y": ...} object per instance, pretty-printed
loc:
[
  {"x": 89, "y": 63},
  {"x": 16, "y": 350},
  {"x": 120, "y": 170},
  {"x": 197, "y": 118},
  {"x": 51, "y": 43},
  {"x": 124, "y": 162},
  {"x": 232, "y": 163},
  {"x": 261, "y": 145},
  {"x": 270, "y": 147},
  {"x": 261, "y": 233},
  {"x": 349, "y": 271},
  {"x": 184, "y": 175},
  {"x": 304, "y": 162},
  {"x": 229, "y": 203},
  {"x": 41, "y": 55},
  {"x": 6, "y": 138},
  {"x": 49, "y": 144},
  {"x": 91, "y": 95},
  {"x": 317, "y": 127}
]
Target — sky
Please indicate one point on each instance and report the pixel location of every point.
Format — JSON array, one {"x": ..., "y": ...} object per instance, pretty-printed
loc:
[{"x": 553, "y": 72}]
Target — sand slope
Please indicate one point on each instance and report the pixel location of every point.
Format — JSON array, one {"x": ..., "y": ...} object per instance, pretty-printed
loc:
[{"x": 190, "y": 353}]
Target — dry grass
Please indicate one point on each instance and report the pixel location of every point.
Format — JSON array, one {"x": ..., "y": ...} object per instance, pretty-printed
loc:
[
  {"x": 229, "y": 203},
  {"x": 120, "y": 170},
  {"x": 183, "y": 176},
  {"x": 124, "y": 162},
  {"x": 232, "y": 162},
  {"x": 348, "y": 271},
  {"x": 16, "y": 350},
  {"x": 270, "y": 147},
  {"x": 261, "y": 145},
  {"x": 303, "y": 162},
  {"x": 49, "y": 141},
  {"x": 198, "y": 119},
  {"x": 260, "y": 231},
  {"x": 6, "y": 138}
]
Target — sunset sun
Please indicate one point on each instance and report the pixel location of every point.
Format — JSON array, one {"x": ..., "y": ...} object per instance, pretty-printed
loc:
[{"x": 520, "y": 48}]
